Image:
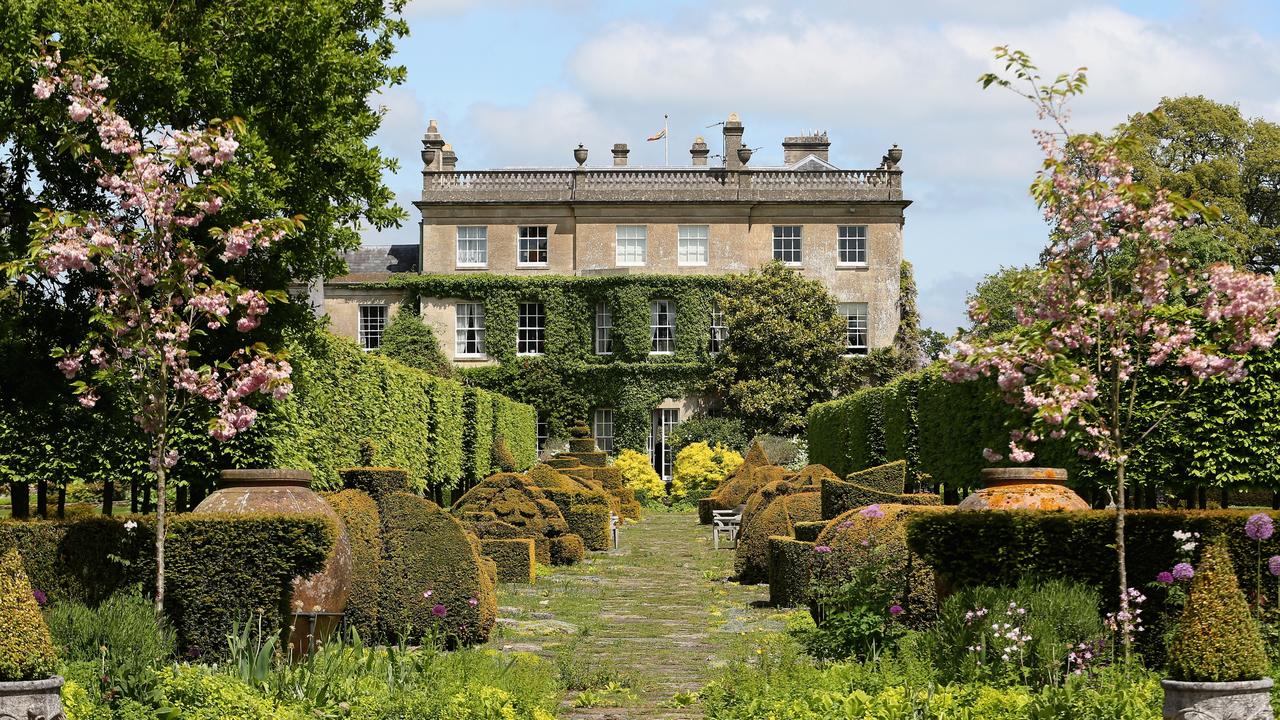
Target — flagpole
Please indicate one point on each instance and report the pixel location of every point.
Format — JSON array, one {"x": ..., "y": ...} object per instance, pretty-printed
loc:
[{"x": 666, "y": 142}]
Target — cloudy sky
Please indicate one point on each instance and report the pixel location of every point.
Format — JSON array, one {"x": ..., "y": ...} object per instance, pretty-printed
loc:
[{"x": 522, "y": 82}]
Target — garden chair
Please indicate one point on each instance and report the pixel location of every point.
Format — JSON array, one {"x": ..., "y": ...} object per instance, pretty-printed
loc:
[
  {"x": 727, "y": 522},
  {"x": 614, "y": 522}
]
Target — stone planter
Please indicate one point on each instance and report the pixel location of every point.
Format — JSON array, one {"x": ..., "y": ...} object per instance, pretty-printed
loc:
[
  {"x": 1241, "y": 700},
  {"x": 1024, "y": 488},
  {"x": 320, "y": 599},
  {"x": 31, "y": 699}
]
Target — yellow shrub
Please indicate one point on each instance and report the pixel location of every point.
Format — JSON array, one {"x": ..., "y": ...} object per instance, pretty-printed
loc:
[
  {"x": 700, "y": 470},
  {"x": 640, "y": 476}
]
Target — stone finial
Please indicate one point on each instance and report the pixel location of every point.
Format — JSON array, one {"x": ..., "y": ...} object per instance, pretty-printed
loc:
[
  {"x": 432, "y": 145},
  {"x": 891, "y": 158},
  {"x": 580, "y": 154},
  {"x": 620, "y": 154},
  {"x": 699, "y": 151}
]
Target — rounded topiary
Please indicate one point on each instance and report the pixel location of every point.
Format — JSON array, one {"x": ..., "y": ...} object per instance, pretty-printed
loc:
[
  {"x": 567, "y": 550},
  {"x": 739, "y": 488},
  {"x": 515, "y": 500},
  {"x": 26, "y": 648},
  {"x": 376, "y": 482},
  {"x": 1217, "y": 639},
  {"x": 877, "y": 535},
  {"x": 751, "y": 561},
  {"x": 580, "y": 430},
  {"x": 610, "y": 478},
  {"x": 359, "y": 513}
]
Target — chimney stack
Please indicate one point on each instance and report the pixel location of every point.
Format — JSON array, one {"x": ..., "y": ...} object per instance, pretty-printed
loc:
[
  {"x": 620, "y": 154},
  {"x": 699, "y": 151},
  {"x": 432, "y": 143},
  {"x": 448, "y": 158},
  {"x": 797, "y": 147},
  {"x": 732, "y": 141}
]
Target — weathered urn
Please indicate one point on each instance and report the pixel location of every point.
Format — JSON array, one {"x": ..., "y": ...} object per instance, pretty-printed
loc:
[
  {"x": 1024, "y": 488},
  {"x": 1240, "y": 700},
  {"x": 23, "y": 699},
  {"x": 289, "y": 491}
]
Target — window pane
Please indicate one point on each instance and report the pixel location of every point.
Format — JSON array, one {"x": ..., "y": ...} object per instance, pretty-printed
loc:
[
  {"x": 543, "y": 431},
  {"x": 855, "y": 317},
  {"x": 530, "y": 334},
  {"x": 632, "y": 244},
  {"x": 719, "y": 332},
  {"x": 662, "y": 325},
  {"x": 373, "y": 320},
  {"x": 604, "y": 329},
  {"x": 853, "y": 245},
  {"x": 473, "y": 246},
  {"x": 533, "y": 245},
  {"x": 693, "y": 245},
  {"x": 604, "y": 429},
  {"x": 469, "y": 329},
  {"x": 787, "y": 244}
]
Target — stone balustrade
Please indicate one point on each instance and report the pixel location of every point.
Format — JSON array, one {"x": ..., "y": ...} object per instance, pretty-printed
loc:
[{"x": 660, "y": 185}]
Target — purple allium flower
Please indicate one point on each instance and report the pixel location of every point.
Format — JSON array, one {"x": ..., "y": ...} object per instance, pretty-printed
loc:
[
  {"x": 1259, "y": 527},
  {"x": 439, "y": 610},
  {"x": 822, "y": 549},
  {"x": 1183, "y": 571},
  {"x": 1273, "y": 564},
  {"x": 895, "y": 610},
  {"x": 845, "y": 525},
  {"x": 473, "y": 602},
  {"x": 41, "y": 598},
  {"x": 1165, "y": 578},
  {"x": 871, "y": 511}
]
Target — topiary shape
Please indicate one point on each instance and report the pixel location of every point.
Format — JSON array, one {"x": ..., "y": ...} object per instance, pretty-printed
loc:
[
  {"x": 1217, "y": 639},
  {"x": 580, "y": 430},
  {"x": 359, "y": 513},
  {"x": 751, "y": 560},
  {"x": 26, "y": 648},
  {"x": 502, "y": 457}
]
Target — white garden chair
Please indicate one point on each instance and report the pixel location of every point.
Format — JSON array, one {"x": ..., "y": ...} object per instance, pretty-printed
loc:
[{"x": 727, "y": 522}]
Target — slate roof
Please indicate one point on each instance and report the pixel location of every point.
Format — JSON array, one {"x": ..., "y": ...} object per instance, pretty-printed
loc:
[{"x": 375, "y": 263}]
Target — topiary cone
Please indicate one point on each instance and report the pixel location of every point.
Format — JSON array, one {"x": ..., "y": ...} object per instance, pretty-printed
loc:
[
  {"x": 1217, "y": 639},
  {"x": 26, "y": 648}
]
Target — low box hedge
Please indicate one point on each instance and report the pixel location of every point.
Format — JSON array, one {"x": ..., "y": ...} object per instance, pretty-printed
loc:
[
  {"x": 567, "y": 550},
  {"x": 514, "y": 557},
  {"x": 790, "y": 571},
  {"x": 71, "y": 560},
  {"x": 840, "y": 496},
  {"x": 809, "y": 531}
]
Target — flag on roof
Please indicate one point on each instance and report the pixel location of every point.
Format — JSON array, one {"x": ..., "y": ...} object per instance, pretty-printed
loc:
[{"x": 657, "y": 136}]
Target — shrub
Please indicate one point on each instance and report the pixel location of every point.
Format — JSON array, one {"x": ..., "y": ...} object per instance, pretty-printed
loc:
[
  {"x": 751, "y": 560},
  {"x": 376, "y": 482},
  {"x": 809, "y": 531},
  {"x": 224, "y": 568},
  {"x": 517, "y": 424},
  {"x": 610, "y": 478},
  {"x": 839, "y": 496},
  {"x": 409, "y": 341},
  {"x": 432, "y": 574},
  {"x": 755, "y": 529},
  {"x": 26, "y": 650},
  {"x": 590, "y": 522},
  {"x": 120, "y": 637},
  {"x": 740, "y": 486},
  {"x": 200, "y": 693},
  {"x": 890, "y": 478},
  {"x": 515, "y": 500},
  {"x": 1056, "y": 616},
  {"x": 515, "y": 558},
  {"x": 711, "y": 431},
  {"x": 503, "y": 460},
  {"x": 790, "y": 569},
  {"x": 780, "y": 450},
  {"x": 1217, "y": 639},
  {"x": 567, "y": 550},
  {"x": 85, "y": 560},
  {"x": 491, "y": 529},
  {"x": 699, "y": 470},
  {"x": 359, "y": 513},
  {"x": 639, "y": 475},
  {"x": 584, "y": 503}
]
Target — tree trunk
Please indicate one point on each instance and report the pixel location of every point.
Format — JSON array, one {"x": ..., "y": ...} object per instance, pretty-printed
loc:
[
  {"x": 108, "y": 497},
  {"x": 1202, "y": 497},
  {"x": 62, "y": 500},
  {"x": 1226, "y": 498},
  {"x": 133, "y": 495},
  {"x": 42, "y": 498},
  {"x": 146, "y": 499},
  {"x": 181, "y": 503},
  {"x": 1275, "y": 500},
  {"x": 1121, "y": 565},
  {"x": 19, "y": 500},
  {"x": 160, "y": 530}
]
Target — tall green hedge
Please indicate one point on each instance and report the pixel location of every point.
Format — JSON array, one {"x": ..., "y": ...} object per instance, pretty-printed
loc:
[{"x": 517, "y": 424}]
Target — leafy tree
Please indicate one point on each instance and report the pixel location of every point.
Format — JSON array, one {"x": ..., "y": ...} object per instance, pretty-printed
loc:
[
  {"x": 997, "y": 298},
  {"x": 412, "y": 342},
  {"x": 710, "y": 430},
  {"x": 783, "y": 350},
  {"x": 1207, "y": 150},
  {"x": 933, "y": 344}
]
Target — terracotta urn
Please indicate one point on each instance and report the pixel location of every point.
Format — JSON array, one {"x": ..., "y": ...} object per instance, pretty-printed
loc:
[
  {"x": 321, "y": 598},
  {"x": 1024, "y": 488},
  {"x": 1240, "y": 700}
]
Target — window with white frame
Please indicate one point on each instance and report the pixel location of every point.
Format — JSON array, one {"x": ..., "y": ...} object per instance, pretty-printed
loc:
[
  {"x": 604, "y": 329},
  {"x": 855, "y": 334},
  {"x": 543, "y": 431},
  {"x": 719, "y": 331},
  {"x": 692, "y": 245},
  {"x": 786, "y": 244},
  {"x": 662, "y": 326},
  {"x": 533, "y": 246},
  {"x": 852, "y": 245},
  {"x": 633, "y": 245},
  {"x": 469, "y": 330},
  {"x": 373, "y": 320},
  {"x": 531, "y": 332},
  {"x": 473, "y": 246},
  {"x": 604, "y": 429}
]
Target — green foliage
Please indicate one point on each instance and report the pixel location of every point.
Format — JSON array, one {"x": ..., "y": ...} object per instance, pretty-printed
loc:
[
  {"x": 713, "y": 431},
  {"x": 227, "y": 568},
  {"x": 84, "y": 560},
  {"x": 515, "y": 500},
  {"x": 639, "y": 475},
  {"x": 699, "y": 470},
  {"x": 430, "y": 561},
  {"x": 120, "y": 636},
  {"x": 516, "y": 424},
  {"x": 751, "y": 556},
  {"x": 1217, "y": 639},
  {"x": 890, "y": 478},
  {"x": 881, "y": 484},
  {"x": 1056, "y": 616},
  {"x": 375, "y": 482},
  {"x": 567, "y": 550},
  {"x": 503, "y": 460},
  {"x": 359, "y": 515},
  {"x": 411, "y": 342},
  {"x": 783, "y": 451},
  {"x": 790, "y": 570},
  {"x": 26, "y": 650},
  {"x": 999, "y": 294},
  {"x": 783, "y": 351},
  {"x": 515, "y": 557}
]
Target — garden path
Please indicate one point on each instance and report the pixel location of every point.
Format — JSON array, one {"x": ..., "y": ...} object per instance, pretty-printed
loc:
[{"x": 655, "y": 617}]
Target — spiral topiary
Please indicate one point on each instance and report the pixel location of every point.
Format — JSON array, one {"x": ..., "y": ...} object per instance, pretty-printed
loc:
[{"x": 1217, "y": 639}]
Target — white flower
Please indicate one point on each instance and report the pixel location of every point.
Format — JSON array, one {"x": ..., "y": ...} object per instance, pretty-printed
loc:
[
  {"x": 1181, "y": 535},
  {"x": 1189, "y": 546},
  {"x": 130, "y": 525}
]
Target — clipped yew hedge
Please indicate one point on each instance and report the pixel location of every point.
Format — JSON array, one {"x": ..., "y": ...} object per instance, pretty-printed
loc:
[
  {"x": 359, "y": 513},
  {"x": 790, "y": 571},
  {"x": 514, "y": 557}
]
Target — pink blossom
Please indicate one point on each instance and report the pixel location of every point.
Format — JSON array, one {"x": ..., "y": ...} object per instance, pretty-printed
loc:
[{"x": 872, "y": 512}]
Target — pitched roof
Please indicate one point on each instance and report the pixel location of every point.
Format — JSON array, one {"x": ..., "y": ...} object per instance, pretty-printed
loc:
[{"x": 375, "y": 263}]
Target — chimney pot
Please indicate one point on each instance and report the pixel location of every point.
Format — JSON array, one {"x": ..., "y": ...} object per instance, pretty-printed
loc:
[
  {"x": 732, "y": 141},
  {"x": 432, "y": 145},
  {"x": 448, "y": 158},
  {"x": 797, "y": 147},
  {"x": 699, "y": 151},
  {"x": 620, "y": 154}
]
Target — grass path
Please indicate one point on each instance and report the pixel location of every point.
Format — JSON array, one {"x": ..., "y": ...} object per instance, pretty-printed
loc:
[{"x": 640, "y": 628}]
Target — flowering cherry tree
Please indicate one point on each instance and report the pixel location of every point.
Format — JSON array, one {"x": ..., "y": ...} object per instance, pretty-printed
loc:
[
  {"x": 1114, "y": 297},
  {"x": 146, "y": 258}
]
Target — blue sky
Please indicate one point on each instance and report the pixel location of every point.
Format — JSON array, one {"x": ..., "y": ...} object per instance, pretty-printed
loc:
[{"x": 522, "y": 82}]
